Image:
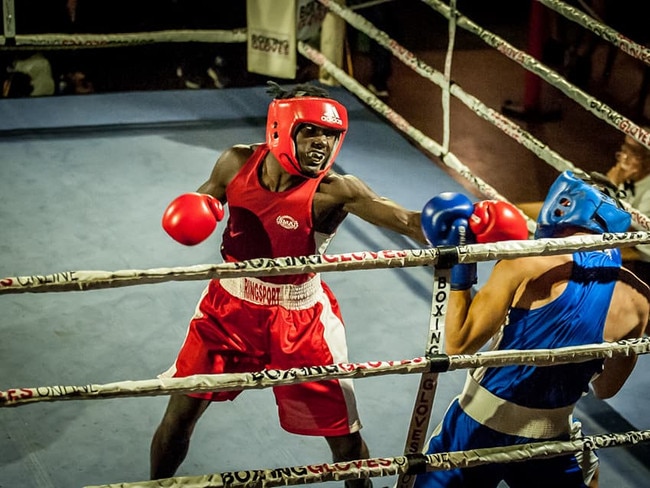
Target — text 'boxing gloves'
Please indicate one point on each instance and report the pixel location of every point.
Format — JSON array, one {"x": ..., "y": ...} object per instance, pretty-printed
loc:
[
  {"x": 445, "y": 222},
  {"x": 191, "y": 218},
  {"x": 494, "y": 221}
]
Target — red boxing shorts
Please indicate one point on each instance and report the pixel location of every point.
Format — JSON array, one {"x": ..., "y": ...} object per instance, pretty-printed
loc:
[{"x": 245, "y": 325}]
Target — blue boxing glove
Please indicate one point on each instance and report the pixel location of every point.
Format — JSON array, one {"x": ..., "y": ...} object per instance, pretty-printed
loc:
[{"x": 445, "y": 222}]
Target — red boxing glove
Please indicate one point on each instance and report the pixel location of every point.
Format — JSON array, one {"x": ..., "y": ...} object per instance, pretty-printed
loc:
[
  {"x": 494, "y": 221},
  {"x": 190, "y": 218}
]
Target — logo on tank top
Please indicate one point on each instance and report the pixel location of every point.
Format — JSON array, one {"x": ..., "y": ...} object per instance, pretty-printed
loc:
[
  {"x": 287, "y": 222},
  {"x": 331, "y": 115}
]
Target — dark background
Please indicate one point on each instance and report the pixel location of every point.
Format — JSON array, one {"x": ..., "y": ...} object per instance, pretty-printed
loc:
[{"x": 609, "y": 75}]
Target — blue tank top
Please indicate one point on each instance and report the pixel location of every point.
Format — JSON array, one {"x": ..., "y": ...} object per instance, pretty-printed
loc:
[{"x": 576, "y": 317}]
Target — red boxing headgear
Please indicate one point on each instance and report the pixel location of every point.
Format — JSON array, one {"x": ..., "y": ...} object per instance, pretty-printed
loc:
[{"x": 285, "y": 117}]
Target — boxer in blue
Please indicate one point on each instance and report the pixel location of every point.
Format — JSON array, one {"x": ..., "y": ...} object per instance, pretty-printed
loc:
[{"x": 531, "y": 303}]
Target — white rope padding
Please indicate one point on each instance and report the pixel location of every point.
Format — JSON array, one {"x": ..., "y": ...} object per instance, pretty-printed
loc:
[
  {"x": 274, "y": 377},
  {"x": 370, "y": 3},
  {"x": 508, "y": 127},
  {"x": 449, "y": 159},
  {"x": 403, "y": 258},
  {"x": 446, "y": 92},
  {"x": 588, "y": 102},
  {"x": 87, "y": 280},
  {"x": 602, "y": 30},
  {"x": 339, "y": 471},
  {"x": 75, "y": 41},
  {"x": 511, "y": 129},
  {"x": 428, "y": 144},
  {"x": 375, "y": 467}
]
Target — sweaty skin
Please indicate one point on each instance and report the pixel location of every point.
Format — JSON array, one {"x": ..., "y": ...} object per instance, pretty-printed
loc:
[
  {"x": 530, "y": 283},
  {"x": 337, "y": 195}
]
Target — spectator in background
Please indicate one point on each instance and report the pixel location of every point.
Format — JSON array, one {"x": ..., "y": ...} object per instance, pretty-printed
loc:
[
  {"x": 29, "y": 77},
  {"x": 535, "y": 302},
  {"x": 631, "y": 174}
]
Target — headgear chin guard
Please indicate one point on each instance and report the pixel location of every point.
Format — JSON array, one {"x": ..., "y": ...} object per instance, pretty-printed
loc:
[
  {"x": 286, "y": 115},
  {"x": 574, "y": 202}
]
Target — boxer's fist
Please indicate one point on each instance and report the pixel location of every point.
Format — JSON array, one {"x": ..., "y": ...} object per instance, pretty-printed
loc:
[
  {"x": 494, "y": 221},
  {"x": 191, "y": 218},
  {"x": 444, "y": 219},
  {"x": 445, "y": 222}
]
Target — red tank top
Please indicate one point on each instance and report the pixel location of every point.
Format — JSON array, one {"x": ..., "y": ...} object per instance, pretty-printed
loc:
[{"x": 267, "y": 224}]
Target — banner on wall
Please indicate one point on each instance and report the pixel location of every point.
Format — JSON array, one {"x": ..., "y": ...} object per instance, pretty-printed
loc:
[
  {"x": 271, "y": 28},
  {"x": 274, "y": 28}
]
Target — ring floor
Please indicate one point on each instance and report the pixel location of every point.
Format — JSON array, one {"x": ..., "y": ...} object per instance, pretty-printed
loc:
[{"x": 83, "y": 184}]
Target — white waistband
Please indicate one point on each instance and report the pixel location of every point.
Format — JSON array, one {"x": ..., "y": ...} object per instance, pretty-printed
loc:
[
  {"x": 510, "y": 418},
  {"x": 293, "y": 297}
]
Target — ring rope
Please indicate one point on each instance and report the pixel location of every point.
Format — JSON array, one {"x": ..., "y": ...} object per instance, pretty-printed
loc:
[
  {"x": 511, "y": 129},
  {"x": 588, "y": 102},
  {"x": 445, "y": 457},
  {"x": 363, "y": 260},
  {"x": 446, "y": 94},
  {"x": 409, "y": 464},
  {"x": 58, "y": 41},
  {"x": 370, "y": 3},
  {"x": 602, "y": 30},
  {"x": 428, "y": 144},
  {"x": 425, "y": 395},
  {"x": 452, "y": 25},
  {"x": 438, "y": 363},
  {"x": 419, "y": 66},
  {"x": 448, "y": 158}
]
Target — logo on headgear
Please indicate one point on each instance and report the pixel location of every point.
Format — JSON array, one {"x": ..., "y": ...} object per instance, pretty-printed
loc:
[{"x": 331, "y": 115}]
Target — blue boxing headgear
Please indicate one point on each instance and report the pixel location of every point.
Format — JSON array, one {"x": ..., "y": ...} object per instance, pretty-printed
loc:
[{"x": 588, "y": 204}]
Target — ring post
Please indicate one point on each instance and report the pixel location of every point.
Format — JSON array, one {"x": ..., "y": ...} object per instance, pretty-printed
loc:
[{"x": 421, "y": 416}]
